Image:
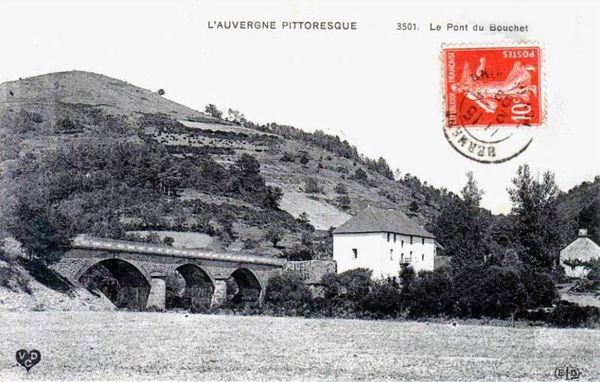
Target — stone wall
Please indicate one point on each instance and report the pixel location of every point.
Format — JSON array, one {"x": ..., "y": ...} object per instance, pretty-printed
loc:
[{"x": 311, "y": 271}]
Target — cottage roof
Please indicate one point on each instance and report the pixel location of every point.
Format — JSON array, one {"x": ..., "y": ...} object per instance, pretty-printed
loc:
[
  {"x": 373, "y": 219},
  {"x": 583, "y": 249}
]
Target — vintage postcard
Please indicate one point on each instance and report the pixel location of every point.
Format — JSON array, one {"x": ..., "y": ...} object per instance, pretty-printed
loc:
[{"x": 282, "y": 191}]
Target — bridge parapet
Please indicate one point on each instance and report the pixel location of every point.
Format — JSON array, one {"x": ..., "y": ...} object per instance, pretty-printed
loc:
[{"x": 164, "y": 250}]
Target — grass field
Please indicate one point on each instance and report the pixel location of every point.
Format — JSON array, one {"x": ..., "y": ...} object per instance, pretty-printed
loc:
[{"x": 175, "y": 346}]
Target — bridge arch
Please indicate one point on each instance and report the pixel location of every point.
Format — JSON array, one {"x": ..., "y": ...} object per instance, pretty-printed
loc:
[
  {"x": 243, "y": 287},
  {"x": 125, "y": 284},
  {"x": 189, "y": 287}
]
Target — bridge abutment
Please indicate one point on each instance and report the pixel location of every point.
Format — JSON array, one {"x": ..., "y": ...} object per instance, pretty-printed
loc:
[{"x": 158, "y": 291}]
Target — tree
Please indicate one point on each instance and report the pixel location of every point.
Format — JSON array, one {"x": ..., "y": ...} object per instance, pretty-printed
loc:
[
  {"x": 360, "y": 174},
  {"x": 413, "y": 207},
  {"x": 470, "y": 192},
  {"x": 274, "y": 235},
  {"x": 589, "y": 218},
  {"x": 459, "y": 227},
  {"x": 212, "y": 110},
  {"x": 536, "y": 223},
  {"x": 236, "y": 117},
  {"x": 249, "y": 179},
  {"x": 161, "y": 92},
  {"x": 272, "y": 197}
]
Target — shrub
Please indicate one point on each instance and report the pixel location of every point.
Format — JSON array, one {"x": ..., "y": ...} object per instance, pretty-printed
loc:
[
  {"x": 66, "y": 125},
  {"x": 344, "y": 202},
  {"x": 312, "y": 186},
  {"x": 488, "y": 291},
  {"x": 384, "y": 299},
  {"x": 389, "y": 195},
  {"x": 250, "y": 243},
  {"x": 299, "y": 252},
  {"x": 287, "y": 157},
  {"x": 342, "y": 170},
  {"x": 304, "y": 159},
  {"x": 431, "y": 294},
  {"x": 567, "y": 314},
  {"x": 303, "y": 218},
  {"x": 541, "y": 291},
  {"x": 307, "y": 239},
  {"x": 335, "y": 307},
  {"x": 288, "y": 293},
  {"x": 341, "y": 189},
  {"x": 413, "y": 207},
  {"x": 356, "y": 282}
]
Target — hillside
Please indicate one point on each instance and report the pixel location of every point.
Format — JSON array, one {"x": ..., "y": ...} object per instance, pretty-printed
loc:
[
  {"x": 43, "y": 94},
  {"x": 580, "y": 208},
  {"x": 108, "y": 158}
]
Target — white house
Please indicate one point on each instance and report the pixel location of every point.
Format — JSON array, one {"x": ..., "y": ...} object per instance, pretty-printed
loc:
[
  {"x": 383, "y": 240},
  {"x": 582, "y": 250}
]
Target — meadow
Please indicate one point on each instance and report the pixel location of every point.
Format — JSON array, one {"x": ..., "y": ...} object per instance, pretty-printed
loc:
[{"x": 178, "y": 346}]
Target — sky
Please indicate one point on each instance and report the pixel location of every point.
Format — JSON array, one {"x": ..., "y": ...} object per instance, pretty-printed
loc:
[{"x": 379, "y": 88}]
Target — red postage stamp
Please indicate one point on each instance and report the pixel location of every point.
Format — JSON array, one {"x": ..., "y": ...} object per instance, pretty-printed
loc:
[{"x": 493, "y": 86}]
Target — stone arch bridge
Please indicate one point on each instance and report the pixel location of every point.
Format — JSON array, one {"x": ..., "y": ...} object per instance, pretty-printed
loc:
[{"x": 140, "y": 271}]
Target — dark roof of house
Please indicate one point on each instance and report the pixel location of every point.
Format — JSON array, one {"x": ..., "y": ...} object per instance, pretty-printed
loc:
[{"x": 374, "y": 219}]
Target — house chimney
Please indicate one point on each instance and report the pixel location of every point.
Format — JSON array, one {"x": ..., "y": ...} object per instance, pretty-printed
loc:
[{"x": 582, "y": 232}]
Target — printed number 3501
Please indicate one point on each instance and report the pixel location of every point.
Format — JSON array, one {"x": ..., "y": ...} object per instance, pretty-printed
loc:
[{"x": 406, "y": 26}]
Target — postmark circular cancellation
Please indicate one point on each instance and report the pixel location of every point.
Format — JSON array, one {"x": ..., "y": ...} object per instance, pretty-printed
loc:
[{"x": 493, "y": 99}]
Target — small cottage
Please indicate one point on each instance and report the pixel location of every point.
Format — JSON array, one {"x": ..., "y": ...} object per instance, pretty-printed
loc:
[
  {"x": 582, "y": 250},
  {"x": 383, "y": 240}
]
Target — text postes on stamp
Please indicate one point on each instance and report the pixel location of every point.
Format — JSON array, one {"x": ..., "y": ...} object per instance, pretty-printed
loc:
[{"x": 493, "y": 100}]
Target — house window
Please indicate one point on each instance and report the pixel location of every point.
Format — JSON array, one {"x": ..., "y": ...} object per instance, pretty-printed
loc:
[
  {"x": 411, "y": 240},
  {"x": 355, "y": 252},
  {"x": 422, "y": 257},
  {"x": 402, "y": 258},
  {"x": 423, "y": 239},
  {"x": 388, "y": 237},
  {"x": 392, "y": 254},
  {"x": 394, "y": 238},
  {"x": 402, "y": 244}
]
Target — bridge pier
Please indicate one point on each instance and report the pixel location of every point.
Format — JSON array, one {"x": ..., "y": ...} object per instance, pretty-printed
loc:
[
  {"x": 158, "y": 291},
  {"x": 219, "y": 294}
]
